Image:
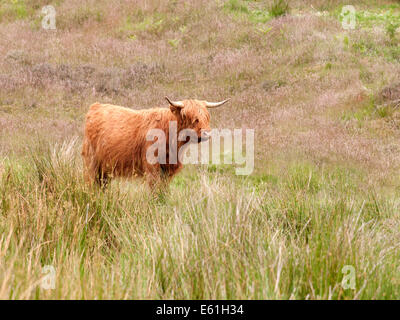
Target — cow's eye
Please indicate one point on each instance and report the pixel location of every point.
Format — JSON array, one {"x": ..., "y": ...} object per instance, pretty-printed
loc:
[{"x": 196, "y": 121}]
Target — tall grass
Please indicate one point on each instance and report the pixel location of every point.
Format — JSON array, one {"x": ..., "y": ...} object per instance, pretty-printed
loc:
[{"x": 214, "y": 237}]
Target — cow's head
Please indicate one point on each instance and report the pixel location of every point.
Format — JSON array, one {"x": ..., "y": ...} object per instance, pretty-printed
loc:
[{"x": 193, "y": 114}]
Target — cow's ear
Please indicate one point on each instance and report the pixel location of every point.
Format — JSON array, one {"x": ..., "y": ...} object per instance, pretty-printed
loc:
[
  {"x": 175, "y": 106},
  {"x": 175, "y": 109}
]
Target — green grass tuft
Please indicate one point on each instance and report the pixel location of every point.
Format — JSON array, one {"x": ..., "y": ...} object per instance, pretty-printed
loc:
[{"x": 279, "y": 8}]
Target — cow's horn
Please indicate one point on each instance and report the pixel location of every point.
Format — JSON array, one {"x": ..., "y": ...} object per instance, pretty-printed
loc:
[
  {"x": 216, "y": 104},
  {"x": 178, "y": 104}
]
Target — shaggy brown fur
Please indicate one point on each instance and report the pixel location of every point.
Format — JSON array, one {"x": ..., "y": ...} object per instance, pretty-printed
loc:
[{"x": 115, "y": 140}]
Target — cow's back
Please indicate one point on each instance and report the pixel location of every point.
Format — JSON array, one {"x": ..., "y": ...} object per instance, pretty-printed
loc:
[{"x": 113, "y": 139}]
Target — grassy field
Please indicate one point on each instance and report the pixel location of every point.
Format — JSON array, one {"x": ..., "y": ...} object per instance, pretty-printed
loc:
[{"x": 324, "y": 194}]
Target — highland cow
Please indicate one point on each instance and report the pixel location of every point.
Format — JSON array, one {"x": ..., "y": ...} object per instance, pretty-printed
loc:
[{"x": 116, "y": 139}]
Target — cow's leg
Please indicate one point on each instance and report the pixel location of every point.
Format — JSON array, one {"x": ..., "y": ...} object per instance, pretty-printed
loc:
[
  {"x": 153, "y": 180},
  {"x": 102, "y": 178},
  {"x": 156, "y": 179},
  {"x": 93, "y": 171}
]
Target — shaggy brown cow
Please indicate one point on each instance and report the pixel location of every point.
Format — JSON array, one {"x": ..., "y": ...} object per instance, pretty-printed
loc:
[{"x": 115, "y": 143}]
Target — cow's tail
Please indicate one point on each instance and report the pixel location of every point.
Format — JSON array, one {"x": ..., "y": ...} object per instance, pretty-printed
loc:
[{"x": 89, "y": 162}]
